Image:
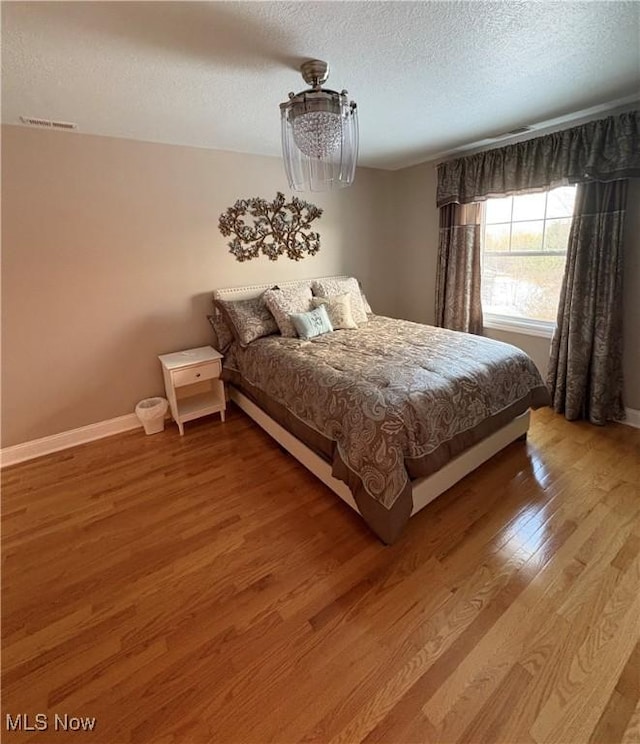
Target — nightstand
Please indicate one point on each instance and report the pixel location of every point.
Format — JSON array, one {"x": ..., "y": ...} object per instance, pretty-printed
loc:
[{"x": 192, "y": 383}]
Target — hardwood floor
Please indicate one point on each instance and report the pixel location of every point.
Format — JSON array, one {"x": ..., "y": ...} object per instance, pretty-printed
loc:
[{"x": 208, "y": 589}]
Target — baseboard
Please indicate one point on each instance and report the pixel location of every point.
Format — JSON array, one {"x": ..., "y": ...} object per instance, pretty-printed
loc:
[
  {"x": 56, "y": 442},
  {"x": 633, "y": 417}
]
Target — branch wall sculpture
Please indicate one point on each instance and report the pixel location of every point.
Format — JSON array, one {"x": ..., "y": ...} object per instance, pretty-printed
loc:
[{"x": 279, "y": 228}]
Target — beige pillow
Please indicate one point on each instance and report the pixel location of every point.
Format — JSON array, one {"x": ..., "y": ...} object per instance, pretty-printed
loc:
[
  {"x": 333, "y": 287},
  {"x": 285, "y": 302},
  {"x": 338, "y": 309}
]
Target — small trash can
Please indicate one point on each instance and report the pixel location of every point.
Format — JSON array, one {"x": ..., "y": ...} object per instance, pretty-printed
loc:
[{"x": 151, "y": 413}]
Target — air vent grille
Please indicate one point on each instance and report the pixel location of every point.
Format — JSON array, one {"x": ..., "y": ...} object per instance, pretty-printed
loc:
[
  {"x": 33, "y": 121},
  {"x": 510, "y": 133},
  {"x": 519, "y": 130}
]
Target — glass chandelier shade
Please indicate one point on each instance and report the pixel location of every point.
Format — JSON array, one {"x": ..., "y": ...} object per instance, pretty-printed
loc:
[{"x": 319, "y": 135}]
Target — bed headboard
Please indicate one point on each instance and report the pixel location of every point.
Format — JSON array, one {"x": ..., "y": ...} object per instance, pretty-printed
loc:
[{"x": 254, "y": 290}]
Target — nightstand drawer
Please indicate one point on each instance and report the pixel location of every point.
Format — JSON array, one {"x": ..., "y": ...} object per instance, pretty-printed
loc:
[{"x": 188, "y": 376}]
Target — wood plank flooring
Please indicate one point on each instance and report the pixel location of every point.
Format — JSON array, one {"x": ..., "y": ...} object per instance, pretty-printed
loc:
[{"x": 207, "y": 588}]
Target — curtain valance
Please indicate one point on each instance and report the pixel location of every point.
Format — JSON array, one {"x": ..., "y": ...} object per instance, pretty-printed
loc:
[{"x": 603, "y": 150}]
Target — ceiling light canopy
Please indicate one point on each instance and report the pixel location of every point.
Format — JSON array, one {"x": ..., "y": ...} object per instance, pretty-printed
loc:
[{"x": 319, "y": 134}]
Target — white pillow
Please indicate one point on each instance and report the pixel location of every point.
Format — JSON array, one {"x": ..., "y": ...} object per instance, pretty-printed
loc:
[
  {"x": 338, "y": 309},
  {"x": 333, "y": 287}
]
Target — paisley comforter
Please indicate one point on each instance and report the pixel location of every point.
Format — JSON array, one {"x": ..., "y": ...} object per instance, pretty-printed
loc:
[{"x": 395, "y": 399}]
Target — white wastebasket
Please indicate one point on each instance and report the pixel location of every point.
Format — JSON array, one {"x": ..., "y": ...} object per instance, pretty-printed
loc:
[{"x": 151, "y": 413}]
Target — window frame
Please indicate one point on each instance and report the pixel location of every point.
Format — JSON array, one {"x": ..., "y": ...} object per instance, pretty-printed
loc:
[{"x": 511, "y": 323}]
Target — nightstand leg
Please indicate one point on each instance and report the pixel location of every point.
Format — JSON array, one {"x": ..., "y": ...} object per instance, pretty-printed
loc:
[
  {"x": 181, "y": 428},
  {"x": 222, "y": 416}
]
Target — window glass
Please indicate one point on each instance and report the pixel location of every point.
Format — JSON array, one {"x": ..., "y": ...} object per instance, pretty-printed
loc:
[
  {"x": 524, "y": 252},
  {"x": 527, "y": 236},
  {"x": 498, "y": 210},
  {"x": 529, "y": 207},
  {"x": 560, "y": 202},
  {"x": 556, "y": 235},
  {"x": 496, "y": 237}
]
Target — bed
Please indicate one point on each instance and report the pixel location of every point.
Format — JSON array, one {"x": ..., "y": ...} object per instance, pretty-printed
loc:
[{"x": 388, "y": 415}]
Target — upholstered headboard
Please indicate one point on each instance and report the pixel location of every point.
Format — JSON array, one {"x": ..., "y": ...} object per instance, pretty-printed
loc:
[{"x": 253, "y": 290}]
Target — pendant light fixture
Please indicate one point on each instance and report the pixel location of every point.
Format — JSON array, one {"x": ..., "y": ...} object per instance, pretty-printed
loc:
[{"x": 319, "y": 134}]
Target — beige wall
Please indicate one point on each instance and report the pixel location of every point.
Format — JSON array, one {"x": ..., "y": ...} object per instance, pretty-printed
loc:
[
  {"x": 110, "y": 251},
  {"x": 416, "y": 241}
]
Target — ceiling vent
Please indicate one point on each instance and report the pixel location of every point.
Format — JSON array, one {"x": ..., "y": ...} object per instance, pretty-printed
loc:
[
  {"x": 511, "y": 133},
  {"x": 519, "y": 130},
  {"x": 32, "y": 121}
]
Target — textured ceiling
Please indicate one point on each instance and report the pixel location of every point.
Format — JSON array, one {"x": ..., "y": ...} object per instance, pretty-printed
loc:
[{"x": 429, "y": 77}]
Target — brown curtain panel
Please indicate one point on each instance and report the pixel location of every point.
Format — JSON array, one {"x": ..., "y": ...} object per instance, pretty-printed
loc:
[
  {"x": 458, "y": 301},
  {"x": 585, "y": 368}
]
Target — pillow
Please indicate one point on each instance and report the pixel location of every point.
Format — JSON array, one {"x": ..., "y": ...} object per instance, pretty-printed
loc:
[
  {"x": 312, "y": 323},
  {"x": 365, "y": 301},
  {"x": 338, "y": 309},
  {"x": 223, "y": 334},
  {"x": 333, "y": 287},
  {"x": 248, "y": 319},
  {"x": 286, "y": 301}
]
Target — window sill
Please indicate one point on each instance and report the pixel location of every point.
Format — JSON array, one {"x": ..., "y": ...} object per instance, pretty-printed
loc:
[{"x": 541, "y": 328}]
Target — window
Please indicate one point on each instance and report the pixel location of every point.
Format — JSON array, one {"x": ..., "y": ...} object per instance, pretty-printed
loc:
[{"x": 524, "y": 248}]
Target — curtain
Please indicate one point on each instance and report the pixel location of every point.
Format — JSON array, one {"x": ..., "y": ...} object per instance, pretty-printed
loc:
[
  {"x": 458, "y": 302},
  {"x": 585, "y": 368},
  {"x": 603, "y": 150}
]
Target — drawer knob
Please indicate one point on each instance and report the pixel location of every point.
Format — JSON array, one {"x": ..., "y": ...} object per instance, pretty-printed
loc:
[{"x": 198, "y": 375}]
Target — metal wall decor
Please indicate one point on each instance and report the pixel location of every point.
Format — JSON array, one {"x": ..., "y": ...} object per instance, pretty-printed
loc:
[{"x": 279, "y": 228}]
